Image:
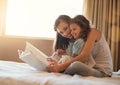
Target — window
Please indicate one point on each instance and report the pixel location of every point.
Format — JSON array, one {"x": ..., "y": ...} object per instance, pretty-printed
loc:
[{"x": 35, "y": 18}]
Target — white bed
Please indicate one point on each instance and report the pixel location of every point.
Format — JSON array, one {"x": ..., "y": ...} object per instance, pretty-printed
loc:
[{"x": 15, "y": 73}]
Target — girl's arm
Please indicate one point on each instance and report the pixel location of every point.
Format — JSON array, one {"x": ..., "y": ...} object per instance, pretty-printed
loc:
[{"x": 89, "y": 44}]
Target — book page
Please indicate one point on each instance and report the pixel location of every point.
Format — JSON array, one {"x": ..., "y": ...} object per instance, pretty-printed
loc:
[
  {"x": 38, "y": 54},
  {"x": 34, "y": 57}
]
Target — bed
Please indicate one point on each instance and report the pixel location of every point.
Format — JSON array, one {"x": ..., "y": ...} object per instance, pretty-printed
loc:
[{"x": 16, "y": 73}]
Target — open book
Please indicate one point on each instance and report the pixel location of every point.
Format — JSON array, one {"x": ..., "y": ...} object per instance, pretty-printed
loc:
[{"x": 33, "y": 57}]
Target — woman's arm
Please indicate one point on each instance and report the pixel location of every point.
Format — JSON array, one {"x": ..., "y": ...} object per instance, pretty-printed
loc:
[{"x": 54, "y": 42}]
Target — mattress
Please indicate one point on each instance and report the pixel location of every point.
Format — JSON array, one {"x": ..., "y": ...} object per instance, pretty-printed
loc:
[{"x": 16, "y": 73}]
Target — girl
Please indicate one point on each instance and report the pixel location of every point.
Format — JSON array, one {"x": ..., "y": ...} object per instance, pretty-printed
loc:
[{"x": 95, "y": 44}]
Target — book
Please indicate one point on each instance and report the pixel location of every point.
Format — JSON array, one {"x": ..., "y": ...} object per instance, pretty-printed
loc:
[{"x": 34, "y": 57}]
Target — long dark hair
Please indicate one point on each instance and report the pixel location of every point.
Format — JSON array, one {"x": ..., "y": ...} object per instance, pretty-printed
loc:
[
  {"x": 61, "y": 42},
  {"x": 84, "y": 24}
]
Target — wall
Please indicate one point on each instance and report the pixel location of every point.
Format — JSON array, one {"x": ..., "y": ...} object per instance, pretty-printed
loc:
[{"x": 10, "y": 45}]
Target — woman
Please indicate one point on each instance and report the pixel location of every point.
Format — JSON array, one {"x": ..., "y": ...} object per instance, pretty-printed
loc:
[
  {"x": 62, "y": 39},
  {"x": 95, "y": 44}
]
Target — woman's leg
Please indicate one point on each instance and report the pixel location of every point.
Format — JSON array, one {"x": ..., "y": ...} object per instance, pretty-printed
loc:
[{"x": 83, "y": 70}]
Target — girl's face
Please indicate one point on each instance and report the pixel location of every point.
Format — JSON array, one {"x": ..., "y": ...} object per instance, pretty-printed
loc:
[
  {"x": 75, "y": 30},
  {"x": 64, "y": 30}
]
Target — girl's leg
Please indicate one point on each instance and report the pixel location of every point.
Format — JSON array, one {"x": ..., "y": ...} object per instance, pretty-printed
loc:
[{"x": 83, "y": 70}]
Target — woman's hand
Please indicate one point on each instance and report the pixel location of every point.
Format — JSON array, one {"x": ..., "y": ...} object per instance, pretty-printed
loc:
[{"x": 60, "y": 51}]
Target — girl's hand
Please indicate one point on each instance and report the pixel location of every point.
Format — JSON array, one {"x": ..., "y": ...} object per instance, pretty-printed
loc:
[
  {"x": 51, "y": 60},
  {"x": 53, "y": 67},
  {"x": 58, "y": 67}
]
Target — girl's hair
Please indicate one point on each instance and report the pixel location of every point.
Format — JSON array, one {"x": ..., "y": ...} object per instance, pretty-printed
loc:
[
  {"x": 61, "y": 42},
  {"x": 84, "y": 24}
]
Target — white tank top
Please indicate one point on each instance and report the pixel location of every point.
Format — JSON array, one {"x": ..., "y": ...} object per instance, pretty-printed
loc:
[{"x": 102, "y": 56}]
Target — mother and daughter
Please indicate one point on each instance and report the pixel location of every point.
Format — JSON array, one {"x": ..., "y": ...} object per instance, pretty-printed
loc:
[{"x": 87, "y": 47}]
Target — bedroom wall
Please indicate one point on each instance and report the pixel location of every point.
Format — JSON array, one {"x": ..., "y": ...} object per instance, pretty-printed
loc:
[{"x": 10, "y": 45}]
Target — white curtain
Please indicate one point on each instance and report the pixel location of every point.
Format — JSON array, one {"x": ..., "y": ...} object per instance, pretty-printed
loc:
[{"x": 3, "y": 4}]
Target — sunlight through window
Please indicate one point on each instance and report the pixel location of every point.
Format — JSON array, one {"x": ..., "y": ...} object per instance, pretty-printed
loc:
[{"x": 35, "y": 18}]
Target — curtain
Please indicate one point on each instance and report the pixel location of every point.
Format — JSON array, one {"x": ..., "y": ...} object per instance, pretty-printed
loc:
[
  {"x": 2, "y": 15},
  {"x": 105, "y": 16}
]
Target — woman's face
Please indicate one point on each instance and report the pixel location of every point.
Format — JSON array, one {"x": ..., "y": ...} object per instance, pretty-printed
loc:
[
  {"x": 75, "y": 30},
  {"x": 64, "y": 30}
]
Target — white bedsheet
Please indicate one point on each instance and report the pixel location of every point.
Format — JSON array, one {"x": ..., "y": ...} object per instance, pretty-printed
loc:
[{"x": 14, "y": 73}]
